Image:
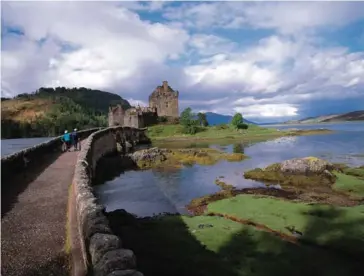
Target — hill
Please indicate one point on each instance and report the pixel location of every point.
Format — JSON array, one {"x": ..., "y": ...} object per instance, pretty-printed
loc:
[
  {"x": 49, "y": 111},
  {"x": 218, "y": 119},
  {"x": 343, "y": 117}
]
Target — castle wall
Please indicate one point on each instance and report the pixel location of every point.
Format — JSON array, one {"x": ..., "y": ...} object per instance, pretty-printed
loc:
[
  {"x": 133, "y": 120},
  {"x": 165, "y": 99},
  {"x": 162, "y": 102},
  {"x": 140, "y": 117},
  {"x": 150, "y": 118},
  {"x": 116, "y": 116}
]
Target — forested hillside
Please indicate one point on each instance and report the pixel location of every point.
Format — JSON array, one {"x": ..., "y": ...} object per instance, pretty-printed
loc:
[{"x": 48, "y": 111}]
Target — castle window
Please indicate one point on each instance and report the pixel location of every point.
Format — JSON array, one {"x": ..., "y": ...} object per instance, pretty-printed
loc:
[{"x": 166, "y": 104}]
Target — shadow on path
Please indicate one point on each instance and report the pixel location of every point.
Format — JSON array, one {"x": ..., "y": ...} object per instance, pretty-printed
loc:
[
  {"x": 11, "y": 187},
  {"x": 57, "y": 266}
]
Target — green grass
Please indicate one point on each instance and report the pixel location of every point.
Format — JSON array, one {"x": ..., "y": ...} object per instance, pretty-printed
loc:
[
  {"x": 321, "y": 224},
  {"x": 162, "y": 132},
  {"x": 358, "y": 172},
  {"x": 349, "y": 183},
  {"x": 176, "y": 245}
]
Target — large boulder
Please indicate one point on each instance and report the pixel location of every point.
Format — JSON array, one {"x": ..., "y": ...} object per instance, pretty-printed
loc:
[
  {"x": 306, "y": 166},
  {"x": 148, "y": 157},
  {"x": 298, "y": 171}
]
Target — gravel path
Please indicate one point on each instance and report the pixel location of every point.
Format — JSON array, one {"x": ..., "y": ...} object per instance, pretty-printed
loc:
[{"x": 33, "y": 231}]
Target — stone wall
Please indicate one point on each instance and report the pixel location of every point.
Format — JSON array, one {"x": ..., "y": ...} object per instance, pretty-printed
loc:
[
  {"x": 116, "y": 115},
  {"x": 102, "y": 251},
  {"x": 136, "y": 117},
  {"x": 28, "y": 158}
]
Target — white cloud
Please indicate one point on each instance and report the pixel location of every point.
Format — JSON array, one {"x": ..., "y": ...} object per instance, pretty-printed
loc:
[
  {"x": 207, "y": 45},
  {"x": 287, "y": 17},
  {"x": 297, "y": 68},
  {"x": 107, "y": 45},
  {"x": 112, "y": 43},
  {"x": 134, "y": 102},
  {"x": 268, "y": 110}
]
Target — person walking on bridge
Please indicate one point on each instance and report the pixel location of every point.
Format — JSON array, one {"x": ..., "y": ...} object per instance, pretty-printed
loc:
[
  {"x": 67, "y": 139},
  {"x": 75, "y": 141}
]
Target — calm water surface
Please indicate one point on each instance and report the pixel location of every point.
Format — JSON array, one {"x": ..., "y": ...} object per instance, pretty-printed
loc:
[
  {"x": 148, "y": 192},
  {"x": 9, "y": 146}
]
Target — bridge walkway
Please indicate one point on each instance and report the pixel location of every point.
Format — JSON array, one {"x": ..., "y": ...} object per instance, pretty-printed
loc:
[{"x": 33, "y": 229}]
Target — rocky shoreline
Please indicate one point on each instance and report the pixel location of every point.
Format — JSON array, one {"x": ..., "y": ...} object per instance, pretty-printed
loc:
[
  {"x": 309, "y": 180},
  {"x": 157, "y": 157}
]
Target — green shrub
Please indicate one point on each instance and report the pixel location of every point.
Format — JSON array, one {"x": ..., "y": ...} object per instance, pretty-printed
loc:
[
  {"x": 242, "y": 126},
  {"x": 162, "y": 119},
  {"x": 190, "y": 129}
]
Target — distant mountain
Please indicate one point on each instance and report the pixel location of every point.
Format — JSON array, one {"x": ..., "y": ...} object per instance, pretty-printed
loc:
[
  {"x": 217, "y": 119},
  {"x": 343, "y": 117}
]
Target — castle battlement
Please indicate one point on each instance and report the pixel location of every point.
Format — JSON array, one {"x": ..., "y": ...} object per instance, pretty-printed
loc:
[{"x": 163, "y": 101}]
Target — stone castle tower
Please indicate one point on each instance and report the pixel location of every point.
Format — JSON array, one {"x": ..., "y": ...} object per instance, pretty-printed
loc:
[
  {"x": 162, "y": 102},
  {"x": 165, "y": 99}
]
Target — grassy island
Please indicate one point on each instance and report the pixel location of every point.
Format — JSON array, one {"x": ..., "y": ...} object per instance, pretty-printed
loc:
[{"x": 176, "y": 133}]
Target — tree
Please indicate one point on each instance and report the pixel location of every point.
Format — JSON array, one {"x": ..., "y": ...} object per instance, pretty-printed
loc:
[
  {"x": 186, "y": 117},
  {"x": 237, "y": 122},
  {"x": 188, "y": 122},
  {"x": 201, "y": 117}
]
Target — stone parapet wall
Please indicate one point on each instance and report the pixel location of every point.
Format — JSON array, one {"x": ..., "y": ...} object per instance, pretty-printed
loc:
[
  {"x": 102, "y": 251},
  {"x": 27, "y": 158}
]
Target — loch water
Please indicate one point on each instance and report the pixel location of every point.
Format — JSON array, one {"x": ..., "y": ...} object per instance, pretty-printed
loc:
[
  {"x": 10, "y": 146},
  {"x": 149, "y": 192}
]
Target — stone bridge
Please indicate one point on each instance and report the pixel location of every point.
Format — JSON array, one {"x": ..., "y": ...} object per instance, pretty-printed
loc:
[{"x": 51, "y": 221}]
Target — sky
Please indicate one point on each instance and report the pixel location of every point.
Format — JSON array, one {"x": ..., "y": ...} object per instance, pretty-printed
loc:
[{"x": 271, "y": 61}]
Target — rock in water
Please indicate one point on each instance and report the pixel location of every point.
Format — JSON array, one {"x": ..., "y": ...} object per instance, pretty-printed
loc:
[
  {"x": 147, "y": 157},
  {"x": 298, "y": 171},
  {"x": 306, "y": 166}
]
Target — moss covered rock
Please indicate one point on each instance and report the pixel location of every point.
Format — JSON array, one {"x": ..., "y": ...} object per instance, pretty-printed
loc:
[
  {"x": 306, "y": 166},
  {"x": 149, "y": 157},
  {"x": 155, "y": 157},
  {"x": 297, "y": 171}
]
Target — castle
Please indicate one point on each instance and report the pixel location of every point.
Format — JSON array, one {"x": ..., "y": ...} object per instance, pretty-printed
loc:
[{"x": 163, "y": 102}]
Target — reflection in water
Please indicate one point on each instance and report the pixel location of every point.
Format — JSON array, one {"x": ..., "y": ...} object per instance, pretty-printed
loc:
[
  {"x": 166, "y": 190},
  {"x": 238, "y": 148}
]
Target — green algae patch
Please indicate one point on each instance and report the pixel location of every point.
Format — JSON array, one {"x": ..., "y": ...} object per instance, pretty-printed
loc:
[
  {"x": 233, "y": 157},
  {"x": 337, "y": 177},
  {"x": 205, "y": 156},
  {"x": 338, "y": 227},
  {"x": 176, "y": 158},
  {"x": 205, "y": 245},
  {"x": 224, "y": 186},
  {"x": 349, "y": 183},
  {"x": 190, "y": 157}
]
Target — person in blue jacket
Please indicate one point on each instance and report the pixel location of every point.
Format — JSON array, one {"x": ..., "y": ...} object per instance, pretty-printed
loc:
[{"x": 67, "y": 139}]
